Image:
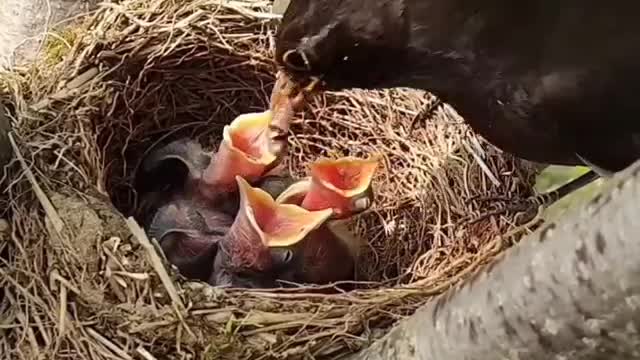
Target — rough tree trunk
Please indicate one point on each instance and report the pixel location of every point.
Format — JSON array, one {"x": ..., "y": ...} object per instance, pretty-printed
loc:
[{"x": 569, "y": 291}]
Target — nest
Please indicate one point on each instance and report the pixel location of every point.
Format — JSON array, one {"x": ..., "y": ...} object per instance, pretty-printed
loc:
[{"x": 82, "y": 282}]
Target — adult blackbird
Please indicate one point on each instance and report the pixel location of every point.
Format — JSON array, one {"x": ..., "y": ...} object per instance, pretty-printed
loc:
[{"x": 552, "y": 82}]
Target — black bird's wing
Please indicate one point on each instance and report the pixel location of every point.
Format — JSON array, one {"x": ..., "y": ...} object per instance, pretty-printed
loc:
[{"x": 552, "y": 82}]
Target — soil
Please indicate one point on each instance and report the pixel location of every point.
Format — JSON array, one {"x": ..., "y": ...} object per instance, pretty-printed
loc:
[{"x": 23, "y": 24}]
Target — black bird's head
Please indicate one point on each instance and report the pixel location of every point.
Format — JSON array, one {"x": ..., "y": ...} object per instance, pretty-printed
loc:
[{"x": 343, "y": 44}]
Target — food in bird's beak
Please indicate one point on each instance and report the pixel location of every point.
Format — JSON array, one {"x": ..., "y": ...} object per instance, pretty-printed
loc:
[
  {"x": 261, "y": 225},
  {"x": 343, "y": 185},
  {"x": 286, "y": 98}
]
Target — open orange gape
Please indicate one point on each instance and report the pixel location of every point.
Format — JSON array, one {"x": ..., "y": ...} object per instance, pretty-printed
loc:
[
  {"x": 111, "y": 110},
  {"x": 343, "y": 185},
  {"x": 250, "y": 147},
  {"x": 276, "y": 224},
  {"x": 330, "y": 253},
  {"x": 221, "y": 224}
]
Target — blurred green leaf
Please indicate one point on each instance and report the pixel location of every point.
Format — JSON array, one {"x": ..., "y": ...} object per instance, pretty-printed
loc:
[{"x": 555, "y": 176}]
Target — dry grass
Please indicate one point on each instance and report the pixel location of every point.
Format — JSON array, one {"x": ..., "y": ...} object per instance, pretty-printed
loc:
[{"x": 80, "y": 282}]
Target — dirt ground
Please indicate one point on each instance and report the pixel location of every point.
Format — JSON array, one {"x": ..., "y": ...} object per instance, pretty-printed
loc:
[{"x": 23, "y": 24}]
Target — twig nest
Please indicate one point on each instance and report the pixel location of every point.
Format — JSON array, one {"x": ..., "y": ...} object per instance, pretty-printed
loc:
[{"x": 144, "y": 72}]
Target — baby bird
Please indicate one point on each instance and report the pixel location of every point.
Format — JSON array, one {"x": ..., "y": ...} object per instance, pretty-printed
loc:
[
  {"x": 330, "y": 253},
  {"x": 245, "y": 251},
  {"x": 254, "y": 252},
  {"x": 250, "y": 147},
  {"x": 198, "y": 200},
  {"x": 189, "y": 235}
]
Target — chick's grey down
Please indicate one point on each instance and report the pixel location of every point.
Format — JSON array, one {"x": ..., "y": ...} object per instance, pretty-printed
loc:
[{"x": 549, "y": 81}]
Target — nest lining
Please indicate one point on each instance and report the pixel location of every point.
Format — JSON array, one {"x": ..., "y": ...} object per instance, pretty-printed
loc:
[{"x": 145, "y": 72}]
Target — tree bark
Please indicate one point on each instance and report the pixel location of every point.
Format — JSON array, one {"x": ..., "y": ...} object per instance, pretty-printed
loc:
[{"x": 568, "y": 291}]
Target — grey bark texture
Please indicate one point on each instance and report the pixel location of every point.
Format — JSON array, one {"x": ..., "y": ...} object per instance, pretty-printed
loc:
[{"x": 568, "y": 291}]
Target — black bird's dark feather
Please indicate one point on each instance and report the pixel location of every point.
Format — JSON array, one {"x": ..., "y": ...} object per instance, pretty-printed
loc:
[{"x": 548, "y": 81}]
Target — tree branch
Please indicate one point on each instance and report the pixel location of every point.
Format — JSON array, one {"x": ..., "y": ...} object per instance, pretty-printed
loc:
[{"x": 571, "y": 290}]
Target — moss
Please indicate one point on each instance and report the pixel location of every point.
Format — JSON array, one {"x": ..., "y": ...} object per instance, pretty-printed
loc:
[{"x": 58, "y": 45}]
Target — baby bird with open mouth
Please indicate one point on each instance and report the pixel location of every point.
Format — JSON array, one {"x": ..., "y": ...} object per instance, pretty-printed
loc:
[
  {"x": 216, "y": 219},
  {"x": 252, "y": 145},
  {"x": 200, "y": 199},
  {"x": 255, "y": 251},
  {"x": 330, "y": 253},
  {"x": 248, "y": 250}
]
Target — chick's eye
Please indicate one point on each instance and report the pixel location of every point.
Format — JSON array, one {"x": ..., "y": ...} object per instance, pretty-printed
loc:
[
  {"x": 296, "y": 60},
  {"x": 287, "y": 256},
  {"x": 282, "y": 256}
]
